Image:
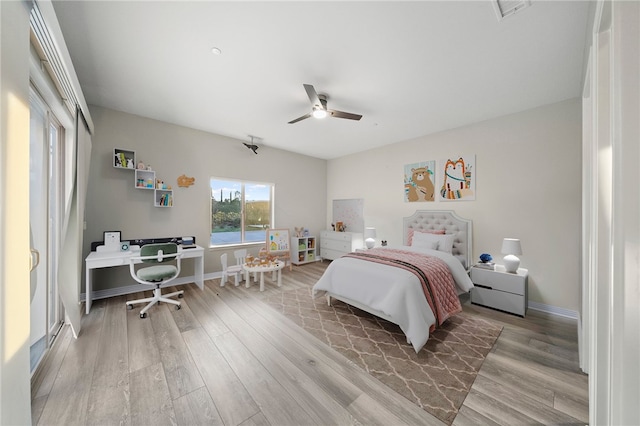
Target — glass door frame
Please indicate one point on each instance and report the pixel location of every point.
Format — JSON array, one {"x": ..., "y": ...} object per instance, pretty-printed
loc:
[{"x": 52, "y": 161}]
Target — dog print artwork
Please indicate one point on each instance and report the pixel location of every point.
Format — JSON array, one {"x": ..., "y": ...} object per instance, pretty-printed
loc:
[{"x": 458, "y": 179}]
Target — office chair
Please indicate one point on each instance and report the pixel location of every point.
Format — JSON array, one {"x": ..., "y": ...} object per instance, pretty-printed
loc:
[
  {"x": 233, "y": 270},
  {"x": 157, "y": 275}
]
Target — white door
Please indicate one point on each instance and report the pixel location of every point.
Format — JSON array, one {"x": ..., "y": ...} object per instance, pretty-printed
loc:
[{"x": 46, "y": 154}]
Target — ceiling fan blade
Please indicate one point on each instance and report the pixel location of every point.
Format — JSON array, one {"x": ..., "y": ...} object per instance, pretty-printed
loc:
[
  {"x": 341, "y": 114},
  {"x": 300, "y": 118},
  {"x": 313, "y": 96}
]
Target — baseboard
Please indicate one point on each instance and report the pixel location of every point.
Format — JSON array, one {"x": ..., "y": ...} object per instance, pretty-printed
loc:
[
  {"x": 554, "y": 310},
  {"x": 128, "y": 288}
]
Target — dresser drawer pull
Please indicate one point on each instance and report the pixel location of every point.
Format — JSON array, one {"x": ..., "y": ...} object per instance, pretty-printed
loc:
[{"x": 483, "y": 286}]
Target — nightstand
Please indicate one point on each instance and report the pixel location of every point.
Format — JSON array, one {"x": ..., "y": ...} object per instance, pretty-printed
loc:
[{"x": 501, "y": 290}]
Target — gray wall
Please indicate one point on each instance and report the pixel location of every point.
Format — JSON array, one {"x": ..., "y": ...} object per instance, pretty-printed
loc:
[
  {"x": 528, "y": 170},
  {"x": 113, "y": 204}
]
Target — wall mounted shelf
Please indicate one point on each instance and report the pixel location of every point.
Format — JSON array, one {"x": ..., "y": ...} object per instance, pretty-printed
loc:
[
  {"x": 143, "y": 179},
  {"x": 124, "y": 159}
]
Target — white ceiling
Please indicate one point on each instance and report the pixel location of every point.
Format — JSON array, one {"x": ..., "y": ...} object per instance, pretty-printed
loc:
[{"x": 410, "y": 68}]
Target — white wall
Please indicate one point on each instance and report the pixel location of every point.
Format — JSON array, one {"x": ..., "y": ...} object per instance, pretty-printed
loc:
[
  {"x": 612, "y": 223},
  {"x": 528, "y": 170},
  {"x": 113, "y": 204},
  {"x": 15, "y": 391}
]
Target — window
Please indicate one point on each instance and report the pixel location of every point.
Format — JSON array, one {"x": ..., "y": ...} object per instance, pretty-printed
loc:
[{"x": 240, "y": 211}]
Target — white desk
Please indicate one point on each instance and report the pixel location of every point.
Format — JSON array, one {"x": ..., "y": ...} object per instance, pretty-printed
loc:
[{"x": 103, "y": 259}]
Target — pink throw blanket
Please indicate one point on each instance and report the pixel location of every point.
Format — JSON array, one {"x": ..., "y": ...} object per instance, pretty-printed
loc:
[{"x": 434, "y": 275}]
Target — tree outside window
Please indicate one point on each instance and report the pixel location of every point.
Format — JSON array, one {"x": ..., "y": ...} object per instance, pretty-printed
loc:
[{"x": 240, "y": 211}]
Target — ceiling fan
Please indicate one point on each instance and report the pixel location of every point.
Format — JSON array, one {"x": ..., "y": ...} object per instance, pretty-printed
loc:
[{"x": 319, "y": 109}]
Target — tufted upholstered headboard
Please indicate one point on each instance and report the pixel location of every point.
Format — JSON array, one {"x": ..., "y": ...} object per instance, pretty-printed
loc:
[{"x": 426, "y": 220}]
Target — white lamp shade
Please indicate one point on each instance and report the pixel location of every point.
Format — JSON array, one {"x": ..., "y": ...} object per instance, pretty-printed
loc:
[
  {"x": 511, "y": 247},
  {"x": 370, "y": 237}
]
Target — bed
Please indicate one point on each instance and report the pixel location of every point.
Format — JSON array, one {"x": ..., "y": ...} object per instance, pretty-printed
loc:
[{"x": 396, "y": 293}]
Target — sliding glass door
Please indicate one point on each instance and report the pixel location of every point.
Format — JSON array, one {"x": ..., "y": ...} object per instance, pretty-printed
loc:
[{"x": 46, "y": 152}]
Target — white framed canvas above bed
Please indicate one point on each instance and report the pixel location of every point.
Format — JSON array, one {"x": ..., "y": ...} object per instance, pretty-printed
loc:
[
  {"x": 414, "y": 286},
  {"x": 350, "y": 213}
]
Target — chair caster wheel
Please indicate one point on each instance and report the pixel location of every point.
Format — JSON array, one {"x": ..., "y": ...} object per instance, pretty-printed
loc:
[
  {"x": 180, "y": 296},
  {"x": 178, "y": 307},
  {"x": 143, "y": 315},
  {"x": 129, "y": 307}
]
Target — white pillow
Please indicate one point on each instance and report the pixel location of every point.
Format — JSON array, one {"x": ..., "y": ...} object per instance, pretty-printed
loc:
[
  {"x": 443, "y": 242},
  {"x": 424, "y": 242},
  {"x": 446, "y": 243}
]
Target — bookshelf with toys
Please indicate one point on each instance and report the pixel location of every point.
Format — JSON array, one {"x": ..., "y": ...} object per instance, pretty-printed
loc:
[{"x": 303, "y": 250}]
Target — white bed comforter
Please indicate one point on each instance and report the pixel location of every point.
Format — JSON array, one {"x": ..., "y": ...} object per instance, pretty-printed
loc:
[{"x": 392, "y": 291}]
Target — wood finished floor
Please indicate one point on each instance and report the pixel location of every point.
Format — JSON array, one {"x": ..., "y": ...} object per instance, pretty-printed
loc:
[{"x": 226, "y": 358}]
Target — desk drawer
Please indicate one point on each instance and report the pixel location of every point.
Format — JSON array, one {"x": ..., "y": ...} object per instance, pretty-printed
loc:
[
  {"x": 106, "y": 263},
  {"x": 503, "y": 281}
]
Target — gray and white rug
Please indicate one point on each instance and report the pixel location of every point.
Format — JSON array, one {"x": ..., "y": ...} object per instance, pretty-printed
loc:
[{"x": 437, "y": 379}]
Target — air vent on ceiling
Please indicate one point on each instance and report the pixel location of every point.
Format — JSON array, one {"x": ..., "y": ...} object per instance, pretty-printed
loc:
[{"x": 506, "y": 8}]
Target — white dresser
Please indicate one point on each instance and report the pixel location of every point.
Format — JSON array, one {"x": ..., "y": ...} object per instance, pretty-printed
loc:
[{"x": 335, "y": 244}]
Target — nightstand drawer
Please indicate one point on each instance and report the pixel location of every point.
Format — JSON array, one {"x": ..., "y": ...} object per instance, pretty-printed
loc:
[
  {"x": 499, "y": 300},
  {"x": 503, "y": 281}
]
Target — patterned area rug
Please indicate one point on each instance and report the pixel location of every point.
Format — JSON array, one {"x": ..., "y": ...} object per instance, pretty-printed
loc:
[{"x": 437, "y": 379}]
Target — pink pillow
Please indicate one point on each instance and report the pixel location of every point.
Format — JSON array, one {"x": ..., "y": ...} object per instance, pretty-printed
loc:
[{"x": 427, "y": 231}]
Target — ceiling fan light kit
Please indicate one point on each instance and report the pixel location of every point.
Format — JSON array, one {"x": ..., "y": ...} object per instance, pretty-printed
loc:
[
  {"x": 319, "y": 113},
  {"x": 319, "y": 107}
]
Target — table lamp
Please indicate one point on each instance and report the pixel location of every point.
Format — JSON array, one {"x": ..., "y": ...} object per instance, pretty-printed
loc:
[
  {"x": 370, "y": 237},
  {"x": 511, "y": 247}
]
